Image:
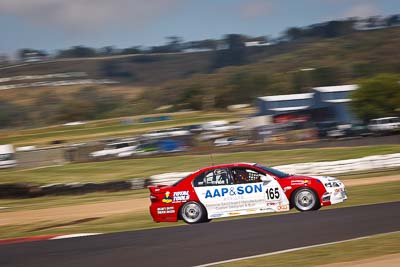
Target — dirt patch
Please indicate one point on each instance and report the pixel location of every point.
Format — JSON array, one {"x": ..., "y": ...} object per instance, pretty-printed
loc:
[
  {"x": 104, "y": 209},
  {"x": 372, "y": 180},
  {"x": 75, "y": 212},
  {"x": 392, "y": 260}
]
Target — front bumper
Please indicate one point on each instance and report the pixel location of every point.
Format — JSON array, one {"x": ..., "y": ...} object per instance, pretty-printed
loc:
[{"x": 335, "y": 195}]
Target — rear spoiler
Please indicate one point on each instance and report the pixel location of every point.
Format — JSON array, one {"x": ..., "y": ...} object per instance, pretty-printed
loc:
[{"x": 156, "y": 188}]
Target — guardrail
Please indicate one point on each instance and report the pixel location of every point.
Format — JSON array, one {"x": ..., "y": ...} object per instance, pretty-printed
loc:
[{"x": 343, "y": 166}]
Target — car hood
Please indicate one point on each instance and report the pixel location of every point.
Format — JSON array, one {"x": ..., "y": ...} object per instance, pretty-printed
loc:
[{"x": 323, "y": 179}]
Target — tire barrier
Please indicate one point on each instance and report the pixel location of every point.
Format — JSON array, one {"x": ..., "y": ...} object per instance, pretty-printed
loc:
[
  {"x": 30, "y": 190},
  {"x": 19, "y": 190}
]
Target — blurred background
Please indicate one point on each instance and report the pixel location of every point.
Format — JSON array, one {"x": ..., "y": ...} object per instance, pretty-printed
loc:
[{"x": 114, "y": 92}]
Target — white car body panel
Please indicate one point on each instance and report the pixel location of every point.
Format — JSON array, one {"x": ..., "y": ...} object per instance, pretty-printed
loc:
[
  {"x": 242, "y": 199},
  {"x": 334, "y": 187}
]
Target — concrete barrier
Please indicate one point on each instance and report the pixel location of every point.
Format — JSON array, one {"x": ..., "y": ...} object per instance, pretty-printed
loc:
[
  {"x": 310, "y": 168},
  {"x": 343, "y": 166}
]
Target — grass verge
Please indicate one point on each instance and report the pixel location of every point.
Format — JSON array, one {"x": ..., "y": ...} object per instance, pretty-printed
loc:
[{"x": 374, "y": 246}]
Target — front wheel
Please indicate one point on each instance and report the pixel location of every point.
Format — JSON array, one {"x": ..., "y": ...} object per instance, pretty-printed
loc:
[
  {"x": 305, "y": 199},
  {"x": 193, "y": 212}
]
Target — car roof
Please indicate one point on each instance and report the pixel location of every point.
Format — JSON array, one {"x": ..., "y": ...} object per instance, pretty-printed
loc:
[{"x": 228, "y": 165}]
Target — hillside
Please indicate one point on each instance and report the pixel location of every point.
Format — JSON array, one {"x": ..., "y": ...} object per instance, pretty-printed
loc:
[{"x": 142, "y": 83}]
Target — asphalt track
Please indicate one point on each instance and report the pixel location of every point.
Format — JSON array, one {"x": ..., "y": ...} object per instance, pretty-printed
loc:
[{"x": 204, "y": 243}]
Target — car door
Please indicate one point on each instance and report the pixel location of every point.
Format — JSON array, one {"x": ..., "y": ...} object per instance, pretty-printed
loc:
[
  {"x": 213, "y": 188},
  {"x": 275, "y": 198},
  {"x": 230, "y": 192}
]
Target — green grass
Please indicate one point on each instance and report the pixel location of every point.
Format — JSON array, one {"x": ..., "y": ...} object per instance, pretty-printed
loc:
[
  {"x": 369, "y": 173},
  {"x": 107, "y": 128},
  {"x": 141, "y": 168},
  {"x": 374, "y": 246},
  {"x": 359, "y": 195}
]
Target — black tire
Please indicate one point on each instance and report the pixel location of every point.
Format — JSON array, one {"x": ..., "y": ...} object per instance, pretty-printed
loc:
[
  {"x": 305, "y": 199},
  {"x": 193, "y": 212}
]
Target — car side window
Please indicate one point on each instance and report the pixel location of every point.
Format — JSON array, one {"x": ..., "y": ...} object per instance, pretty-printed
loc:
[
  {"x": 246, "y": 175},
  {"x": 213, "y": 177}
]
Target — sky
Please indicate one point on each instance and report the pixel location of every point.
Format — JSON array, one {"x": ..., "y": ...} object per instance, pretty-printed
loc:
[{"x": 59, "y": 24}]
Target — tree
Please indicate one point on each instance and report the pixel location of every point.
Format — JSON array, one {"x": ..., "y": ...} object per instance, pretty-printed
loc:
[
  {"x": 174, "y": 44},
  {"x": 241, "y": 87},
  {"x": 377, "y": 97},
  {"x": 77, "y": 51},
  {"x": 192, "y": 97},
  {"x": 325, "y": 76},
  {"x": 132, "y": 50},
  {"x": 294, "y": 33},
  {"x": 107, "y": 51},
  {"x": 235, "y": 54},
  {"x": 393, "y": 20},
  {"x": 300, "y": 81},
  {"x": 12, "y": 115}
]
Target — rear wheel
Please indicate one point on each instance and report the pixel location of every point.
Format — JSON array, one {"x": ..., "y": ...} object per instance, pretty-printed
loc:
[
  {"x": 193, "y": 212},
  {"x": 305, "y": 199}
]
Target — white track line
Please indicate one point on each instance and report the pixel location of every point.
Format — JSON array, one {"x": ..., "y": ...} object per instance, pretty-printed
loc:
[
  {"x": 292, "y": 249},
  {"x": 74, "y": 235}
]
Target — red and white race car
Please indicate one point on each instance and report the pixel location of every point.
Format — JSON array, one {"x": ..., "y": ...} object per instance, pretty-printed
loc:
[{"x": 241, "y": 189}]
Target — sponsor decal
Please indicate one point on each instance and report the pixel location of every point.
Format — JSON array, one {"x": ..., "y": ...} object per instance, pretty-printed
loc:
[
  {"x": 300, "y": 182},
  {"x": 181, "y": 196},
  {"x": 232, "y": 191},
  {"x": 165, "y": 210},
  {"x": 272, "y": 193},
  {"x": 167, "y": 198},
  {"x": 283, "y": 207},
  {"x": 271, "y": 204},
  {"x": 286, "y": 188},
  {"x": 216, "y": 215},
  {"x": 234, "y": 213},
  {"x": 267, "y": 209}
]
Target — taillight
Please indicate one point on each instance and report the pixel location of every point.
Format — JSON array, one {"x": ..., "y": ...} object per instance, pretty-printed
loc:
[{"x": 153, "y": 198}]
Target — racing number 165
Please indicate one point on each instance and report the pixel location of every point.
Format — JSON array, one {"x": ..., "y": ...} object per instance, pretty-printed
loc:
[{"x": 272, "y": 193}]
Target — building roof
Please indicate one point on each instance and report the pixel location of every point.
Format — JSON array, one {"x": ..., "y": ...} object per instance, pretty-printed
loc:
[
  {"x": 287, "y": 97},
  {"x": 344, "y": 100},
  {"x": 290, "y": 108},
  {"x": 339, "y": 88}
]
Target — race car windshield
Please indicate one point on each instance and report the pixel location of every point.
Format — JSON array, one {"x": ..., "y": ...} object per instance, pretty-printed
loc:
[{"x": 275, "y": 172}]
